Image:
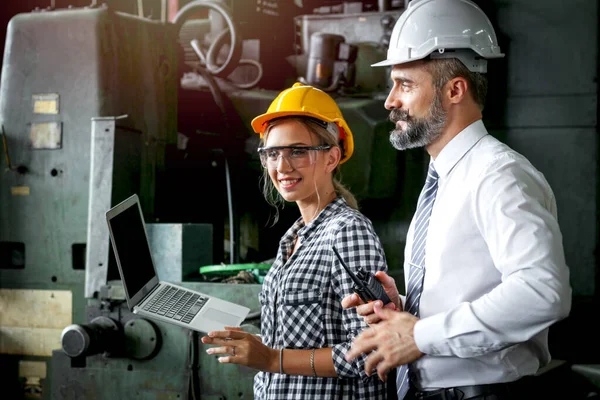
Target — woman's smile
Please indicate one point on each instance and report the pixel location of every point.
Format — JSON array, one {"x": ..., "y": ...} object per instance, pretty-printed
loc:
[{"x": 289, "y": 183}]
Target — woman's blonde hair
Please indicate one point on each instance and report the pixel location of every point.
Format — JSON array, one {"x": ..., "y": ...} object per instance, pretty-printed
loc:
[{"x": 324, "y": 137}]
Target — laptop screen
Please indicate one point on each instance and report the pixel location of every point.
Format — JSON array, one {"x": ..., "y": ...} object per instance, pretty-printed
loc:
[{"x": 131, "y": 249}]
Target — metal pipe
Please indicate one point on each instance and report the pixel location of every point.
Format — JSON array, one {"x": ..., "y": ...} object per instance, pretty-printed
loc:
[
  {"x": 140, "y": 8},
  {"x": 233, "y": 239},
  {"x": 235, "y": 47},
  {"x": 173, "y": 9},
  {"x": 8, "y": 164},
  {"x": 217, "y": 21},
  {"x": 384, "y": 5},
  {"x": 163, "y": 11}
]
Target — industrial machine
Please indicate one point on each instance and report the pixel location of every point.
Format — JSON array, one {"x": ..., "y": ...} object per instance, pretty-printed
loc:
[
  {"x": 155, "y": 97},
  {"x": 96, "y": 104}
]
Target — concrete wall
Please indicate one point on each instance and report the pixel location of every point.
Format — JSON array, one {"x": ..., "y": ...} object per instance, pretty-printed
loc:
[{"x": 551, "y": 113}]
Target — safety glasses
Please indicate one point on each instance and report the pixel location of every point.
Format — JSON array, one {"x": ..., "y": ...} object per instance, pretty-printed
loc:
[{"x": 296, "y": 156}]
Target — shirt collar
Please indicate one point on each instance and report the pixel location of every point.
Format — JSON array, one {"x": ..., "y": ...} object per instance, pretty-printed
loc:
[
  {"x": 458, "y": 147},
  {"x": 329, "y": 209},
  {"x": 303, "y": 231}
]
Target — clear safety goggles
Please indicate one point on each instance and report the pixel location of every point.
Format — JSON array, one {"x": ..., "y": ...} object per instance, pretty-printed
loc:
[{"x": 295, "y": 156}]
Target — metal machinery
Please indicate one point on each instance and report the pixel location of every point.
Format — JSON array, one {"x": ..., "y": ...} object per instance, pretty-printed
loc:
[{"x": 97, "y": 104}]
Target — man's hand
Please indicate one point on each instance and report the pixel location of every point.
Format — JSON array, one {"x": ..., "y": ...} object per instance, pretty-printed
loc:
[
  {"x": 366, "y": 310},
  {"x": 390, "y": 342}
]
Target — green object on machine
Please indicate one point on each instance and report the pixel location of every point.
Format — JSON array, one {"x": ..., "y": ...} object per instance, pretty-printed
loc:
[{"x": 259, "y": 270}]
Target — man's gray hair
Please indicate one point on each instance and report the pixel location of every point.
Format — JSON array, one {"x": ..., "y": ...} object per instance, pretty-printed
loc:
[{"x": 445, "y": 69}]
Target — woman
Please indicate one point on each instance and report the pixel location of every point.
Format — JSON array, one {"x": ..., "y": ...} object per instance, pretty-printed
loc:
[{"x": 305, "y": 332}]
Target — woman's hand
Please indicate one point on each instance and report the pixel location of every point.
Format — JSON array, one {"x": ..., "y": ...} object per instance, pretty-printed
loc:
[{"x": 243, "y": 348}]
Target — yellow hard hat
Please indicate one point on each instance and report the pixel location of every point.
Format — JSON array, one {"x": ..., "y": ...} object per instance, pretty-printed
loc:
[{"x": 307, "y": 101}]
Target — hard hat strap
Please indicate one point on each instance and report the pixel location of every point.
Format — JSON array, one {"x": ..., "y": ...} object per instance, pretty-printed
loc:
[{"x": 469, "y": 58}]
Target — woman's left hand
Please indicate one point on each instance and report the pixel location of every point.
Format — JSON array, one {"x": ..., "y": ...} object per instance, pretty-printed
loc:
[{"x": 242, "y": 348}]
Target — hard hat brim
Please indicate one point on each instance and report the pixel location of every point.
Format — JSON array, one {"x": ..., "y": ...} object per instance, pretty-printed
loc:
[
  {"x": 384, "y": 63},
  {"x": 258, "y": 123},
  {"x": 387, "y": 63}
]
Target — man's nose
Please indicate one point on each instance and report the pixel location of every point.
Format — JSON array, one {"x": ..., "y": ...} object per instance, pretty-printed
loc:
[{"x": 392, "y": 102}]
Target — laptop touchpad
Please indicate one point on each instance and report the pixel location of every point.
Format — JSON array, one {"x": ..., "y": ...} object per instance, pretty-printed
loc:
[{"x": 222, "y": 317}]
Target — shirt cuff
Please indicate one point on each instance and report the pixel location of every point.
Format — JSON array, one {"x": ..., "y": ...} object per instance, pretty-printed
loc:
[
  {"x": 429, "y": 335},
  {"x": 345, "y": 369}
]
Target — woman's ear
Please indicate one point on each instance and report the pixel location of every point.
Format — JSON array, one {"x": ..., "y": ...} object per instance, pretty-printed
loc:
[{"x": 333, "y": 158}]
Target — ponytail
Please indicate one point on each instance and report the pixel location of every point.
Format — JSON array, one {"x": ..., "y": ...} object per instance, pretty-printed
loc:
[{"x": 345, "y": 194}]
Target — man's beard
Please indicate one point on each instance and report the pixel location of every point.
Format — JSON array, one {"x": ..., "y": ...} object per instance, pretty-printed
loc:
[{"x": 419, "y": 132}]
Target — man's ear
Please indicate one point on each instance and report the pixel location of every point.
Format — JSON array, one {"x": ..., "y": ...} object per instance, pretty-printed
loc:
[
  {"x": 457, "y": 89},
  {"x": 333, "y": 158}
]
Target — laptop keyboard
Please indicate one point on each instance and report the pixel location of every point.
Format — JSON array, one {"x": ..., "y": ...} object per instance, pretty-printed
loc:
[{"x": 178, "y": 304}]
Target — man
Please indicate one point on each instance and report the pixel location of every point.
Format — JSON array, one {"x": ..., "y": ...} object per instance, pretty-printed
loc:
[{"x": 484, "y": 263}]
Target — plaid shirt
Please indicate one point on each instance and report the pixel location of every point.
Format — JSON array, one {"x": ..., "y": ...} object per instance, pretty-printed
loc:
[{"x": 301, "y": 304}]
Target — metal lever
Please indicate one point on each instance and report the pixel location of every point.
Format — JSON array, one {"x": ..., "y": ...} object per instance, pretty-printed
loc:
[{"x": 21, "y": 169}]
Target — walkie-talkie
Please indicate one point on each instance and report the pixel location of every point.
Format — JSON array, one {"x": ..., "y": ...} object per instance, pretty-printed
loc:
[{"x": 366, "y": 285}]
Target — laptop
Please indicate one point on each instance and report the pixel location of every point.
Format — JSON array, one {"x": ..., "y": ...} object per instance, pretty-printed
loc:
[{"x": 146, "y": 294}]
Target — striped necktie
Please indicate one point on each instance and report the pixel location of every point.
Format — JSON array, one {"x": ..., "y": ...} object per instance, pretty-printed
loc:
[{"x": 416, "y": 273}]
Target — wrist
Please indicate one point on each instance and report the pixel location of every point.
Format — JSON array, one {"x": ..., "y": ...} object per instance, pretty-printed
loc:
[{"x": 273, "y": 361}]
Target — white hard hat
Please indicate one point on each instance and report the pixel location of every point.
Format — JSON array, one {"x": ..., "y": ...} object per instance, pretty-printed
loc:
[{"x": 443, "y": 29}]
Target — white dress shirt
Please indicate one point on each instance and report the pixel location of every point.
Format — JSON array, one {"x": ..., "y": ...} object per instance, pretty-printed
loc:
[{"x": 495, "y": 271}]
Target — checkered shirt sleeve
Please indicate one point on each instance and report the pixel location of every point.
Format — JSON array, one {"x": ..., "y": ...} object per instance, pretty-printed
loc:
[{"x": 359, "y": 247}]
